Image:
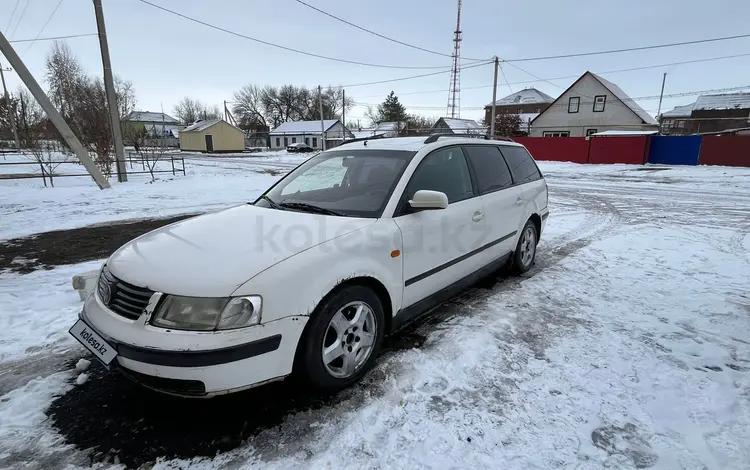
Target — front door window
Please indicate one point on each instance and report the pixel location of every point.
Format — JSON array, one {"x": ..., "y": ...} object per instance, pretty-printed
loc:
[{"x": 446, "y": 171}]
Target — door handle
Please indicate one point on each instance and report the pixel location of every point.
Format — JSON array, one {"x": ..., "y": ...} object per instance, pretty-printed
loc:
[
  {"x": 519, "y": 201},
  {"x": 477, "y": 216}
]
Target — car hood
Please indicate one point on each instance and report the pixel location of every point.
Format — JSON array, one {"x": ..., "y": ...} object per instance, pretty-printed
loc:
[{"x": 212, "y": 255}]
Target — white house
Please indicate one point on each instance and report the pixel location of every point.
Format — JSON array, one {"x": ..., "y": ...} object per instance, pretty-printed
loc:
[
  {"x": 590, "y": 105},
  {"x": 156, "y": 125},
  {"x": 446, "y": 125},
  {"x": 310, "y": 133}
]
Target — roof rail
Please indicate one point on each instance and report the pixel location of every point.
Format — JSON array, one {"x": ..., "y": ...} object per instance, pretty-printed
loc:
[{"x": 434, "y": 137}]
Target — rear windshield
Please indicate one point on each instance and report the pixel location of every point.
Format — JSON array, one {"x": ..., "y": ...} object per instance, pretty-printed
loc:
[{"x": 355, "y": 183}]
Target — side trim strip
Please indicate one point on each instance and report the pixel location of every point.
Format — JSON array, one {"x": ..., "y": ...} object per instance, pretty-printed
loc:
[
  {"x": 413, "y": 312},
  {"x": 450, "y": 263},
  {"x": 199, "y": 358},
  {"x": 545, "y": 215}
]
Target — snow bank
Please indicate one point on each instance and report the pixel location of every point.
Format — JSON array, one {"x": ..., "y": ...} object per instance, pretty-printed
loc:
[
  {"x": 211, "y": 183},
  {"x": 25, "y": 430},
  {"x": 37, "y": 311}
]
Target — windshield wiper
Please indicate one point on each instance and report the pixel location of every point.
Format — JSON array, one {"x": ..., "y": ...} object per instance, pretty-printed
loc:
[
  {"x": 272, "y": 203},
  {"x": 303, "y": 206}
]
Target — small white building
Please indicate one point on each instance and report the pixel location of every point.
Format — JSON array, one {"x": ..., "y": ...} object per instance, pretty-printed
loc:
[
  {"x": 446, "y": 125},
  {"x": 154, "y": 125},
  {"x": 591, "y": 105},
  {"x": 389, "y": 129},
  {"x": 310, "y": 132}
]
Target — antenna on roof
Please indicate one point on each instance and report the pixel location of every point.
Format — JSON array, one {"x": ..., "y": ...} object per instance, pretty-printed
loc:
[{"x": 454, "y": 93}]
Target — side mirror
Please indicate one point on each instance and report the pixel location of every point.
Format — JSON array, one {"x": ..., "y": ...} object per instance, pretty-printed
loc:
[{"x": 426, "y": 199}]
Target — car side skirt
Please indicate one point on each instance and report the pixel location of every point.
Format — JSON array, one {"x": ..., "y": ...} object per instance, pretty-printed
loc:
[{"x": 413, "y": 312}]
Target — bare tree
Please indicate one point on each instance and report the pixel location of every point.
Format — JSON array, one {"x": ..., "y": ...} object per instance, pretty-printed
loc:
[
  {"x": 189, "y": 110},
  {"x": 49, "y": 155},
  {"x": 63, "y": 75},
  {"x": 126, "y": 99},
  {"x": 91, "y": 118},
  {"x": 333, "y": 104},
  {"x": 372, "y": 115},
  {"x": 418, "y": 125},
  {"x": 30, "y": 118},
  {"x": 82, "y": 101},
  {"x": 292, "y": 103},
  {"x": 282, "y": 104},
  {"x": 248, "y": 108},
  {"x": 150, "y": 156},
  {"x": 211, "y": 112}
]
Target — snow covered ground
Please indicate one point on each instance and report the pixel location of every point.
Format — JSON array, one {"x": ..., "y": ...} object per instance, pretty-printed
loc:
[
  {"x": 212, "y": 182},
  {"x": 627, "y": 346}
]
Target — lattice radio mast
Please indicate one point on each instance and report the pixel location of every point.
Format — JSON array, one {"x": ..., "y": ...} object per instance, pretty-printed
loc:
[{"x": 454, "y": 93}]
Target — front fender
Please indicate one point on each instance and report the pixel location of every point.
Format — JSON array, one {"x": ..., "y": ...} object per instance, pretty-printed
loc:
[{"x": 296, "y": 285}]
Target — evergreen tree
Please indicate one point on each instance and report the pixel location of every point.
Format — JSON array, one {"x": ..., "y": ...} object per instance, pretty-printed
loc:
[{"x": 391, "y": 110}]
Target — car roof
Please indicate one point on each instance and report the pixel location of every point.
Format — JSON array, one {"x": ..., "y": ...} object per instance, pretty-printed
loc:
[{"x": 416, "y": 144}]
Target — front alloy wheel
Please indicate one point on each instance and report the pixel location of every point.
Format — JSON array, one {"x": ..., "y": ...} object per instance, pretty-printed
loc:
[
  {"x": 349, "y": 340},
  {"x": 342, "y": 338}
]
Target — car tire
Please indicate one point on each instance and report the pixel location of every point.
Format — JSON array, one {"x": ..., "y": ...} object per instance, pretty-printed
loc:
[
  {"x": 525, "y": 252},
  {"x": 338, "y": 347}
]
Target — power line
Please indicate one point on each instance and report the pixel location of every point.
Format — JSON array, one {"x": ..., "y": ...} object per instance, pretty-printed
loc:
[
  {"x": 414, "y": 76},
  {"x": 629, "y": 49},
  {"x": 20, "y": 18},
  {"x": 536, "y": 77},
  {"x": 52, "y": 38},
  {"x": 278, "y": 46},
  {"x": 377, "y": 34},
  {"x": 12, "y": 15},
  {"x": 639, "y": 98},
  {"x": 524, "y": 82},
  {"x": 502, "y": 74},
  {"x": 43, "y": 27}
]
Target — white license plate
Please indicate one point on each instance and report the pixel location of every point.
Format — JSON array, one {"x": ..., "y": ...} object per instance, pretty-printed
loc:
[{"x": 93, "y": 342}]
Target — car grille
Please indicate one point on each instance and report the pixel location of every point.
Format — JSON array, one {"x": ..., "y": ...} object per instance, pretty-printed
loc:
[{"x": 124, "y": 299}]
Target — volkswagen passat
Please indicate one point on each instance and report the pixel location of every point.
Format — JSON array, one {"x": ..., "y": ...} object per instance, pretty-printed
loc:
[{"x": 309, "y": 278}]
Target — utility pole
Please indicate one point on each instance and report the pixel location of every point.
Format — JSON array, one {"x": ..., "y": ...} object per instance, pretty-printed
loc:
[
  {"x": 343, "y": 113},
  {"x": 225, "y": 111},
  {"x": 661, "y": 95},
  {"x": 11, "y": 110},
  {"x": 322, "y": 124},
  {"x": 109, "y": 85},
  {"x": 52, "y": 113},
  {"x": 494, "y": 99}
]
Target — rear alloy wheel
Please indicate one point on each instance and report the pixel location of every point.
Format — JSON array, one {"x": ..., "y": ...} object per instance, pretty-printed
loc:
[
  {"x": 523, "y": 257},
  {"x": 342, "y": 339}
]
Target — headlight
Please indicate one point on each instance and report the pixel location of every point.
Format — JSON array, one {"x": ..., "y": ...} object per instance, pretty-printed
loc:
[{"x": 207, "y": 314}]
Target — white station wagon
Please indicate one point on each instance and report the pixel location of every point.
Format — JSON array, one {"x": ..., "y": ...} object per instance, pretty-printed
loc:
[{"x": 347, "y": 248}]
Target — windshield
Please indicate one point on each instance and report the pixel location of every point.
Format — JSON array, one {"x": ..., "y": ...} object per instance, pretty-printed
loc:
[{"x": 355, "y": 183}]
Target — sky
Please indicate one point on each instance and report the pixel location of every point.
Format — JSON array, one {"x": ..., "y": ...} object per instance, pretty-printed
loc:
[{"x": 168, "y": 57}]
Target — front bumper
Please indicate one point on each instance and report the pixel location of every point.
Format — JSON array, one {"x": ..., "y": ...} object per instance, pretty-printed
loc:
[{"x": 192, "y": 363}]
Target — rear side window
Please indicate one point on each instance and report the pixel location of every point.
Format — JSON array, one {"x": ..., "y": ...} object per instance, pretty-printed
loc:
[
  {"x": 521, "y": 165},
  {"x": 491, "y": 171}
]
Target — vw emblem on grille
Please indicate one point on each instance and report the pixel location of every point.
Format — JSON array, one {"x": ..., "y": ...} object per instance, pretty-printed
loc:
[{"x": 106, "y": 292}]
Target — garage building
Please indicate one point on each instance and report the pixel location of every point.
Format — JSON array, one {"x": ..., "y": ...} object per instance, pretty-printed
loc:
[{"x": 212, "y": 135}]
